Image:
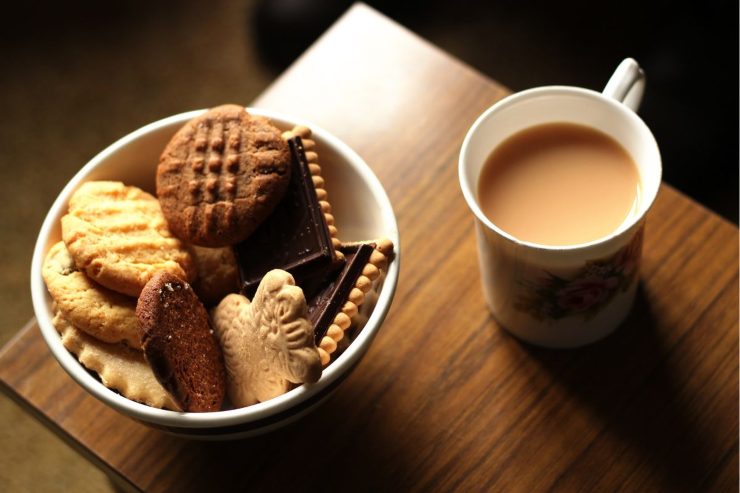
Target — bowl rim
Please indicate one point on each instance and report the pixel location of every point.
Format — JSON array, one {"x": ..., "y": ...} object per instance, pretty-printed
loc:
[{"x": 345, "y": 362}]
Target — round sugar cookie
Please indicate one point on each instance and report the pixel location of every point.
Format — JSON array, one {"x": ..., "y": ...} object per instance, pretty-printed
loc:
[
  {"x": 104, "y": 314},
  {"x": 218, "y": 273},
  {"x": 118, "y": 236}
]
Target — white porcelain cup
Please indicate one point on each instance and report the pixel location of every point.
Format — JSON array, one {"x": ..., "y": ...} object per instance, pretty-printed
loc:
[{"x": 563, "y": 296}]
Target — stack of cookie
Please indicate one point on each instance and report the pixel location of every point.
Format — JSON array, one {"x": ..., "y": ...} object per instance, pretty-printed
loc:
[{"x": 242, "y": 226}]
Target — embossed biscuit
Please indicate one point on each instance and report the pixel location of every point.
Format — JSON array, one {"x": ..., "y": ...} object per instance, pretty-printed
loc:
[
  {"x": 268, "y": 343},
  {"x": 221, "y": 175},
  {"x": 118, "y": 236},
  {"x": 104, "y": 314},
  {"x": 218, "y": 274},
  {"x": 120, "y": 368},
  {"x": 179, "y": 344}
]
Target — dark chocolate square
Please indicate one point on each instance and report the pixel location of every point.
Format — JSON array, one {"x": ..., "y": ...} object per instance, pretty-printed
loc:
[
  {"x": 328, "y": 299},
  {"x": 295, "y": 237}
]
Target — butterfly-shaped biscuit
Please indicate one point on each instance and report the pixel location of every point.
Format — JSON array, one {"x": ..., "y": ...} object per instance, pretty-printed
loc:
[{"x": 268, "y": 344}]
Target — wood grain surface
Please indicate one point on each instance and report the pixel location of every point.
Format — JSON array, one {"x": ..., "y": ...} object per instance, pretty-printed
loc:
[{"x": 445, "y": 400}]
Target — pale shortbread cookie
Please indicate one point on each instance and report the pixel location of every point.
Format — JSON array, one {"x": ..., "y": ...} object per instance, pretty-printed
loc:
[
  {"x": 361, "y": 300},
  {"x": 309, "y": 145},
  {"x": 119, "y": 368},
  {"x": 118, "y": 236},
  {"x": 268, "y": 344},
  {"x": 98, "y": 311},
  {"x": 218, "y": 274}
]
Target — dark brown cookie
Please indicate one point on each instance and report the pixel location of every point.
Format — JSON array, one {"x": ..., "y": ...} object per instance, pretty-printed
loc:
[
  {"x": 221, "y": 175},
  {"x": 179, "y": 344}
]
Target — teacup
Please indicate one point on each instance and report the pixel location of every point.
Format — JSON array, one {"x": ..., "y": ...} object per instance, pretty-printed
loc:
[{"x": 571, "y": 295}]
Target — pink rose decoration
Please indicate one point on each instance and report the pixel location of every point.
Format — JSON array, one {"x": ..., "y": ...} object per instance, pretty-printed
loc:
[
  {"x": 582, "y": 294},
  {"x": 550, "y": 296}
]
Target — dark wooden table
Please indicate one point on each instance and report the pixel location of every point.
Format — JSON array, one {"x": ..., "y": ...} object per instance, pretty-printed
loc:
[{"x": 445, "y": 400}]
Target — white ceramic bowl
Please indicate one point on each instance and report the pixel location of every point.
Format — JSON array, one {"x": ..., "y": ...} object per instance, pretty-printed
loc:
[{"x": 362, "y": 211}]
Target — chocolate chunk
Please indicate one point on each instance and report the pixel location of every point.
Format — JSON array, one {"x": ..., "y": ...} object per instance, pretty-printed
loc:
[
  {"x": 294, "y": 238},
  {"x": 326, "y": 302}
]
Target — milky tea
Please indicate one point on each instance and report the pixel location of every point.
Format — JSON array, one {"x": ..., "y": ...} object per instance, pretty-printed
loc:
[{"x": 559, "y": 184}]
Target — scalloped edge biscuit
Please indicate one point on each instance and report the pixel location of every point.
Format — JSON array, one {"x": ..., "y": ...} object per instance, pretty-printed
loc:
[
  {"x": 120, "y": 368},
  {"x": 361, "y": 299}
]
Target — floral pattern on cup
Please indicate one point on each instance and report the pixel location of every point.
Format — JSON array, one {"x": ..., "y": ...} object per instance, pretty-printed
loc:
[{"x": 551, "y": 297}]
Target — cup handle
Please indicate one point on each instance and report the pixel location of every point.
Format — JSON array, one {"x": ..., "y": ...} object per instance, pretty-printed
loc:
[{"x": 627, "y": 84}]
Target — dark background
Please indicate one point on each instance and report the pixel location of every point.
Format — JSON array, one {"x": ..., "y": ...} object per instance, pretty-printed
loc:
[{"x": 689, "y": 51}]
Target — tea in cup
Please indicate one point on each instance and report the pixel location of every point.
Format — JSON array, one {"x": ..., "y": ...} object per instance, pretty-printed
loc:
[
  {"x": 559, "y": 184},
  {"x": 559, "y": 179}
]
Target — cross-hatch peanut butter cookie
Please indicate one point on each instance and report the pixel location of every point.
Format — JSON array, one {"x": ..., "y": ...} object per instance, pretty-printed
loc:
[
  {"x": 118, "y": 236},
  {"x": 221, "y": 175}
]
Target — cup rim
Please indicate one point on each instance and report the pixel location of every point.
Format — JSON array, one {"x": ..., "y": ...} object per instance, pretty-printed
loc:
[
  {"x": 468, "y": 189},
  {"x": 344, "y": 363}
]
